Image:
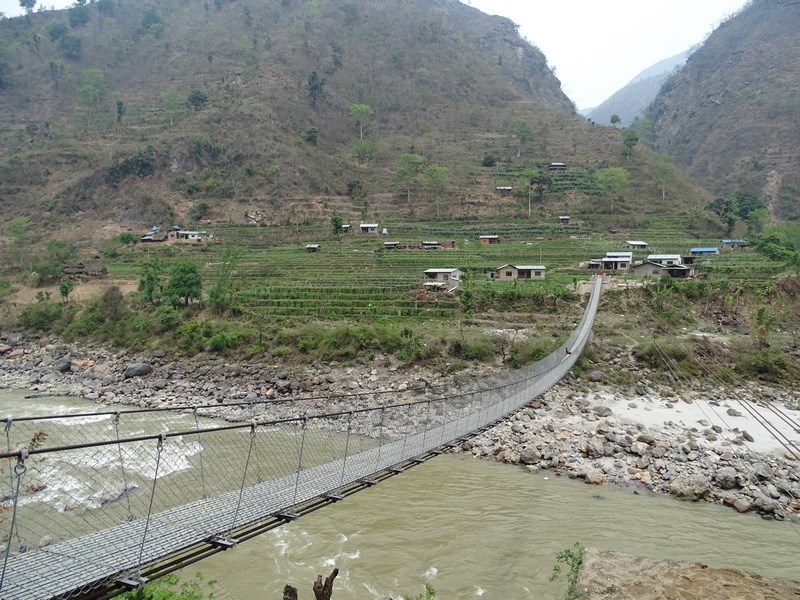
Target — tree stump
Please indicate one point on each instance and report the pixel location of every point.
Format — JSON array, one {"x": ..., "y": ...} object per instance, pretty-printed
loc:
[
  {"x": 322, "y": 591},
  {"x": 289, "y": 593},
  {"x": 325, "y": 591}
]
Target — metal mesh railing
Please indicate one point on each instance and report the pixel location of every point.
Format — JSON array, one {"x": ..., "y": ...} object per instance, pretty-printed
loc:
[{"x": 92, "y": 499}]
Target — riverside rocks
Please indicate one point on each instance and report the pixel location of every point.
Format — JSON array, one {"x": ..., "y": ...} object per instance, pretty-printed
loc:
[{"x": 649, "y": 437}]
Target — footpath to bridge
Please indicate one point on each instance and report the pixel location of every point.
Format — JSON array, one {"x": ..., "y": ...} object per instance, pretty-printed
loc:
[{"x": 97, "y": 502}]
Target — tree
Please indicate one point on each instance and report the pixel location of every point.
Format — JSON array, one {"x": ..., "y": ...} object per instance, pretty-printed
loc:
[
  {"x": 408, "y": 171},
  {"x": 120, "y": 110},
  {"x": 629, "y": 139},
  {"x": 523, "y": 132},
  {"x": 665, "y": 171},
  {"x": 314, "y": 86},
  {"x": 197, "y": 99},
  {"x": 530, "y": 175},
  {"x": 171, "y": 103},
  {"x": 220, "y": 296},
  {"x": 336, "y": 224},
  {"x": 65, "y": 287},
  {"x": 92, "y": 90},
  {"x": 615, "y": 120},
  {"x": 361, "y": 114},
  {"x": 56, "y": 31},
  {"x": 185, "y": 283},
  {"x": 437, "y": 181},
  {"x": 28, "y": 5},
  {"x": 312, "y": 135},
  {"x": 611, "y": 180},
  {"x": 756, "y": 220},
  {"x": 746, "y": 202},
  {"x": 363, "y": 150},
  {"x": 49, "y": 265},
  {"x": 725, "y": 209},
  {"x": 151, "y": 280}
]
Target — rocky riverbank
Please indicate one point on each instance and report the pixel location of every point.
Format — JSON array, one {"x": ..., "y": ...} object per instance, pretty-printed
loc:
[{"x": 704, "y": 444}]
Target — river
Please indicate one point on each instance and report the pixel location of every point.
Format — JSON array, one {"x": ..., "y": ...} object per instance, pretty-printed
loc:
[{"x": 474, "y": 529}]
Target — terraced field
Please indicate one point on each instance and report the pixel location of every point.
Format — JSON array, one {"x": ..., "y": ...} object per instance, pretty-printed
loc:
[{"x": 356, "y": 277}]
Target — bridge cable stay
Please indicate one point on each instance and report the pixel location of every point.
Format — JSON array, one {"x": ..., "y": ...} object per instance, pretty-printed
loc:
[
  {"x": 741, "y": 383},
  {"x": 228, "y": 536},
  {"x": 138, "y": 579},
  {"x": 78, "y": 540},
  {"x": 122, "y": 468}
]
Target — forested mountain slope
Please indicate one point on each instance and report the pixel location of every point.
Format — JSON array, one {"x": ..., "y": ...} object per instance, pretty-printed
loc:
[{"x": 731, "y": 116}]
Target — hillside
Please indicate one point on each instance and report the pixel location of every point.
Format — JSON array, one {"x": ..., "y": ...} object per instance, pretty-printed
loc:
[
  {"x": 136, "y": 114},
  {"x": 731, "y": 115},
  {"x": 635, "y": 97}
]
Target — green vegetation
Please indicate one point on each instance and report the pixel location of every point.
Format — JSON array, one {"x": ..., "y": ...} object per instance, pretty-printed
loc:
[
  {"x": 428, "y": 594},
  {"x": 572, "y": 558},
  {"x": 171, "y": 587}
]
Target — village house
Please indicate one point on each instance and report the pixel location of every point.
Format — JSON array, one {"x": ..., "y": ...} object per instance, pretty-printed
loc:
[
  {"x": 489, "y": 239},
  {"x": 504, "y": 190},
  {"x": 391, "y": 245},
  {"x": 443, "y": 278},
  {"x": 82, "y": 269},
  {"x": 564, "y": 219},
  {"x": 655, "y": 269},
  {"x": 514, "y": 272},
  {"x": 369, "y": 228},
  {"x": 557, "y": 166},
  {"x": 431, "y": 245},
  {"x": 312, "y": 247},
  {"x": 635, "y": 245},
  {"x": 706, "y": 251},
  {"x": 732, "y": 244},
  {"x": 346, "y": 228},
  {"x": 665, "y": 259},
  {"x": 612, "y": 261},
  {"x": 190, "y": 236},
  {"x": 154, "y": 237}
]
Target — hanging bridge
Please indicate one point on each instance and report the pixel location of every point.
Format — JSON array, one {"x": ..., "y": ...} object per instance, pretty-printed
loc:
[{"x": 94, "y": 503}]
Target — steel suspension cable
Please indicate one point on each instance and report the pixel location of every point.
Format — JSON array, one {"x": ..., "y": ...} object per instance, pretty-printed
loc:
[
  {"x": 744, "y": 383},
  {"x": 676, "y": 373}
]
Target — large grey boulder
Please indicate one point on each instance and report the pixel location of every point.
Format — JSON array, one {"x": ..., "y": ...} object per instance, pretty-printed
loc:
[
  {"x": 138, "y": 369},
  {"x": 727, "y": 478},
  {"x": 62, "y": 365},
  {"x": 689, "y": 487}
]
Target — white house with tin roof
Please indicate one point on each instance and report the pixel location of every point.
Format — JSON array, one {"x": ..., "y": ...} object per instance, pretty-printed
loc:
[{"x": 513, "y": 272}]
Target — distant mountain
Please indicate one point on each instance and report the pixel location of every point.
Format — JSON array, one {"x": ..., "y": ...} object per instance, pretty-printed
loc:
[
  {"x": 632, "y": 100},
  {"x": 731, "y": 116}
]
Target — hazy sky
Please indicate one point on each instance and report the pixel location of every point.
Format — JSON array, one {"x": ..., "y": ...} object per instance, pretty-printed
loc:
[{"x": 596, "y": 46}]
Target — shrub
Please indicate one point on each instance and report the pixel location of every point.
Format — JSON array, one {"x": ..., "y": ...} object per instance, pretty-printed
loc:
[
  {"x": 166, "y": 318},
  {"x": 527, "y": 352},
  {"x": 43, "y": 314},
  {"x": 768, "y": 364},
  {"x": 479, "y": 349}
]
